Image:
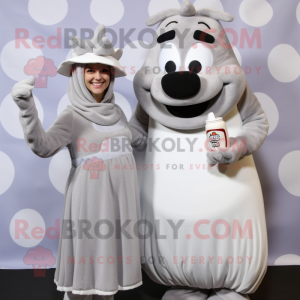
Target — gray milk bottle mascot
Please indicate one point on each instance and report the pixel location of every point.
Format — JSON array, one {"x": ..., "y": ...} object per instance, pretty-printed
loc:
[
  {"x": 205, "y": 230},
  {"x": 94, "y": 258}
]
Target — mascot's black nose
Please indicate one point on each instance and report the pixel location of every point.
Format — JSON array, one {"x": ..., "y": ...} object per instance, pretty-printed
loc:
[{"x": 181, "y": 85}]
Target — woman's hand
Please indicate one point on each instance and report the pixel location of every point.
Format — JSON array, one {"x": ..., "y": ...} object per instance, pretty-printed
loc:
[{"x": 22, "y": 95}]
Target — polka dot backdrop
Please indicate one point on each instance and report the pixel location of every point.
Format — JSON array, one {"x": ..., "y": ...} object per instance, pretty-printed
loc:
[{"x": 32, "y": 188}]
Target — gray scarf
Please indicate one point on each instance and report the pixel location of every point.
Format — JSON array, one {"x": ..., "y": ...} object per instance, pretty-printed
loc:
[{"x": 104, "y": 113}]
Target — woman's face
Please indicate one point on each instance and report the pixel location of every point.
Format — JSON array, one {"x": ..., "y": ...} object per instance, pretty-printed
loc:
[{"x": 97, "y": 78}]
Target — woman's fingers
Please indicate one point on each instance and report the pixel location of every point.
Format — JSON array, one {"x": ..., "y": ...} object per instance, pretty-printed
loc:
[
  {"x": 29, "y": 81},
  {"x": 23, "y": 89},
  {"x": 26, "y": 84},
  {"x": 23, "y": 86},
  {"x": 21, "y": 93}
]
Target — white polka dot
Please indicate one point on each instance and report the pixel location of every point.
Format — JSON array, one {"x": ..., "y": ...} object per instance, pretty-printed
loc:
[
  {"x": 289, "y": 172},
  {"x": 298, "y": 12},
  {"x": 208, "y": 3},
  {"x": 48, "y": 12},
  {"x": 256, "y": 13},
  {"x": 270, "y": 109},
  {"x": 7, "y": 172},
  {"x": 27, "y": 228},
  {"x": 107, "y": 12},
  {"x": 59, "y": 169},
  {"x": 237, "y": 54},
  {"x": 284, "y": 63},
  {"x": 124, "y": 104},
  {"x": 9, "y": 116},
  {"x": 63, "y": 103},
  {"x": 133, "y": 58},
  {"x": 288, "y": 259},
  {"x": 156, "y": 6},
  {"x": 14, "y": 57}
]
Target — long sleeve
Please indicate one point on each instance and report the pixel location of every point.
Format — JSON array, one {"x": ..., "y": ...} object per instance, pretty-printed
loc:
[
  {"x": 139, "y": 127},
  {"x": 255, "y": 124},
  {"x": 46, "y": 143}
]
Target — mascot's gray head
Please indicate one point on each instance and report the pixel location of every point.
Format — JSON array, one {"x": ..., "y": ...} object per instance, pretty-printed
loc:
[{"x": 190, "y": 69}]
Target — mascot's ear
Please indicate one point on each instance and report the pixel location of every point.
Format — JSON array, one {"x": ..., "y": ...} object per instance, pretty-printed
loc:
[
  {"x": 215, "y": 14},
  {"x": 118, "y": 53},
  {"x": 187, "y": 9}
]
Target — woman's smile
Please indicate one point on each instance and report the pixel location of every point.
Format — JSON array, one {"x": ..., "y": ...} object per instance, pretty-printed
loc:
[
  {"x": 97, "y": 79},
  {"x": 97, "y": 85}
]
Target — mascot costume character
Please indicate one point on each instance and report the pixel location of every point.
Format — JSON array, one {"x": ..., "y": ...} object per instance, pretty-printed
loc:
[{"x": 204, "y": 220}]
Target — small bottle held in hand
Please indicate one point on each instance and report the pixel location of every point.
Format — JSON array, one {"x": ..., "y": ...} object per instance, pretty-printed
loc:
[{"x": 216, "y": 133}]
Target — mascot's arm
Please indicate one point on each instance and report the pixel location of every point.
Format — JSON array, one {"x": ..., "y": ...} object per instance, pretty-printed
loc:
[
  {"x": 42, "y": 143},
  {"x": 139, "y": 127},
  {"x": 255, "y": 124},
  {"x": 251, "y": 136}
]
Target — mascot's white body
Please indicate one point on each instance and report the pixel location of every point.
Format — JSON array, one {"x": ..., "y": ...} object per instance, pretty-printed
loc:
[
  {"x": 196, "y": 193},
  {"x": 205, "y": 230}
]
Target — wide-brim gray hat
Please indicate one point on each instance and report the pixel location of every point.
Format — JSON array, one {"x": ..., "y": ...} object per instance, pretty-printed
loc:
[{"x": 97, "y": 50}]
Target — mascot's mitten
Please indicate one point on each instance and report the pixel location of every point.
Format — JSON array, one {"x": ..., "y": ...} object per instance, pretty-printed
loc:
[
  {"x": 236, "y": 151},
  {"x": 21, "y": 93}
]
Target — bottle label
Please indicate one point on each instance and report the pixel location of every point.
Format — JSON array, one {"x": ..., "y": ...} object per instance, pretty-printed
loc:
[{"x": 217, "y": 138}]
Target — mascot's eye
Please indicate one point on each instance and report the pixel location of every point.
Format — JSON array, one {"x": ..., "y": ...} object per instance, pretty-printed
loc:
[
  {"x": 198, "y": 57},
  {"x": 195, "y": 66},
  {"x": 170, "y": 66},
  {"x": 169, "y": 59}
]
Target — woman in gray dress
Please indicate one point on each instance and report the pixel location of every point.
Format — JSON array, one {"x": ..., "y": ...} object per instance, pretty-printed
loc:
[{"x": 99, "y": 250}]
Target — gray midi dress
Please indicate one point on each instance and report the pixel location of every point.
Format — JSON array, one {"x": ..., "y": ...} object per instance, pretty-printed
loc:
[{"x": 99, "y": 250}]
